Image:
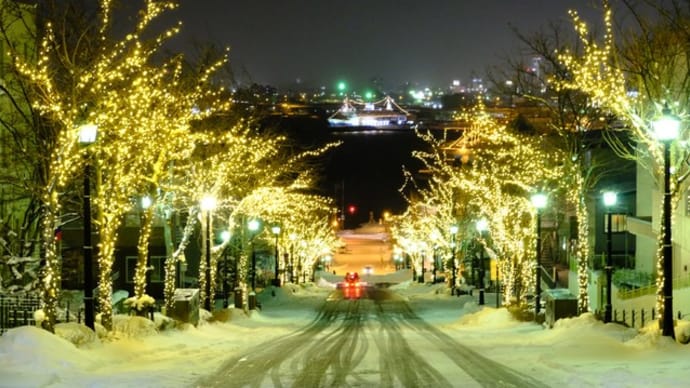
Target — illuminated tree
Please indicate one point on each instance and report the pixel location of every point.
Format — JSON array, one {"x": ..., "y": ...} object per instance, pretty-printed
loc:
[
  {"x": 279, "y": 197},
  {"x": 148, "y": 103},
  {"x": 306, "y": 216},
  {"x": 421, "y": 233},
  {"x": 503, "y": 168},
  {"x": 573, "y": 124},
  {"x": 147, "y": 145},
  {"x": 224, "y": 161},
  {"x": 64, "y": 161},
  {"x": 632, "y": 77},
  {"x": 133, "y": 102},
  {"x": 151, "y": 178},
  {"x": 432, "y": 209},
  {"x": 251, "y": 176}
]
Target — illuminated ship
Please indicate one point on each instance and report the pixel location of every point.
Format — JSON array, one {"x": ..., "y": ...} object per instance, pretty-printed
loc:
[{"x": 382, "y": 114}]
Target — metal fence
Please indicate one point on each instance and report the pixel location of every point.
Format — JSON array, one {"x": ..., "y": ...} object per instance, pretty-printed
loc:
[
  {"x": 681, "y": 281},
  {"x": 17, "y": 311},
  {"x": 598, "y": 261},
  {"x": 637, "y": 318}
]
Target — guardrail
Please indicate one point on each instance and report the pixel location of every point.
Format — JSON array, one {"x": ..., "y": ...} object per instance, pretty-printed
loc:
[
  {"x": 637, "y": 318},
  {"x": 546, "y": 278},
  {"x": 682, "y": 281},
  {"x": 598, "y": 261},
  {"x": 17, "y": 311}
]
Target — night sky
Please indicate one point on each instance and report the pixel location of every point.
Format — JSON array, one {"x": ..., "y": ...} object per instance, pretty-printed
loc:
[{"x": 427, "y": 43}]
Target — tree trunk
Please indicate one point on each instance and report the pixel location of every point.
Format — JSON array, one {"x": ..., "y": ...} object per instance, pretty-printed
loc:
[
  {"x": 51, "y": 276},
  {"x": 143, "y": 253}
]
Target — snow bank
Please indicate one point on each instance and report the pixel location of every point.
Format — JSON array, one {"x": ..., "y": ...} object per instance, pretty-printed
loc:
[
  {"x": 28, "y": 345},
  {"x": 487, "y": 318}
]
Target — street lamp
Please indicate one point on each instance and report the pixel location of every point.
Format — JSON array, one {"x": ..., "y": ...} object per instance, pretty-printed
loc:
[
  {"x": 482, "y": 225},
  {"x": 498, "y": 285},
  {"x": 275, "y": 229},
  {"x": 434, "y": 236},
  {"x": 146, "y": 202},
  {"x": 253, "y": 225},
  {"x": 539, "y": 202},
  {"x": 397, "y": 257},
  {"x": 666, "y": 130},
  {"x": 453, "y": 237},
  {"x": 410, "y": 260},
  {"x": 208, "y": 203},
  {"x": 300, "y": 261},
  {"x": 422, "y": 255},
  {"x": 291, "y": 268},
  {"x": 610, "y": 198},
  {"x": 434, "y": 258},
  {"x": 225, "y": 236},
  {"x": 87, "y": 135},
  {"x": 327, "y": 258}
]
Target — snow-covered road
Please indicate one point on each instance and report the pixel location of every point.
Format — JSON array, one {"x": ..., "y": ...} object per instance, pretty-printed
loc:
[{"x": 376, "y": 340}]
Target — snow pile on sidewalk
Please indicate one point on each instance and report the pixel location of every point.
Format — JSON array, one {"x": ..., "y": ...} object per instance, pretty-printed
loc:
[{"x": 577, "y": 352}]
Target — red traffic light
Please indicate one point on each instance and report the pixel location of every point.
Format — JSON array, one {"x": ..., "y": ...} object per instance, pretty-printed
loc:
[{"x": 351, "y": 209}]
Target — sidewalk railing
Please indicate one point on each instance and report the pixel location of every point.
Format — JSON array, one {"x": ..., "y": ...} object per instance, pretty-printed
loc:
[
  {"x": 17, "y": 311},
  {"x": 636, "y": 318},
  {"x": 679, "y": 282},
  {"x": 598, "y": 261},
  {"x": 546, "y": 278}
]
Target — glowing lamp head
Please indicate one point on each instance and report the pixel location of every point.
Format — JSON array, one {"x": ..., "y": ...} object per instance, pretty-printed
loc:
[
  {"x": 610, "y": 198},
  {"x": 482, "y": 225},
  {"x": 667, "y": 126},
  {"x": 453, "y": 229},
  {"x": 539, "y": 200},
  {"x": 208, "y": 203},
  {"x": 146, "y": 202},
  {"x": 88, "y": 133},
  {"x": 225, "y": 235},
  {"x": 275, "y": 229},
  {"x": 253, "y": 225}
]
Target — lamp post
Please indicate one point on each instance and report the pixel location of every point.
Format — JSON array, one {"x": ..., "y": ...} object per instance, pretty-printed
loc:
[
  {"x": 225, "y": 236},
  {"x": 498, "y": 286},
  {"x": 423, "y": 257},
  {"x": 327, "y": 258},
  {"x": 291, "y": 267},
  {"x": 253, "y": 225},
  {"x": 300, "y": 263},
  {"x": 666, "y": 130},
  {"x": 539, "y": 202},
  {"x": 433, "y": 260},
  {"x": 275, "y": 229},
  {"x": 87, "y": 135},
  {"x": 610, "y": 198},
  {"x": 397, "y": 257},
  {"x": 146, "y": 203},
  {"x": 453, "y": 238},
  {"x": 408, "y": 253},
  {"x": 208, "y": 203},
  {"x": 482, "y": 225}
]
